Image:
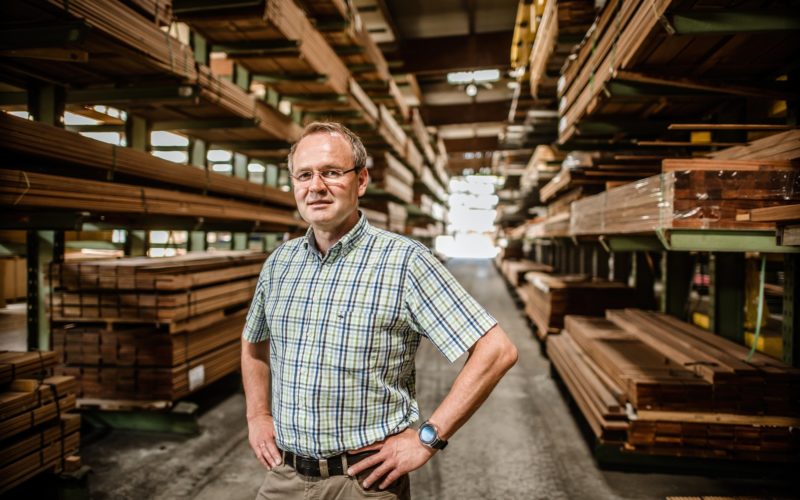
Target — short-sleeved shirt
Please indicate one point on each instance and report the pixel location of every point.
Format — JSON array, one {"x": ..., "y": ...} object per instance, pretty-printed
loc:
[{"x": 343, "y": 331}]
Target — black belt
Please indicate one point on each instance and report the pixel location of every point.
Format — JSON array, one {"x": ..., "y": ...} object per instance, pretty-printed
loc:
[{"x": 324, "y": 467}]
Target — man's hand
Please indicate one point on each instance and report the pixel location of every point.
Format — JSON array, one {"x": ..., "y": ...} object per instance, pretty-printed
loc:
[
  {"x": 397, "y": 455},
  {"x": 262, "y": 440}
]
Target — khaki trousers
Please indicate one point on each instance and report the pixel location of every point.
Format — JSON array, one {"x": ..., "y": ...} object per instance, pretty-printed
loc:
[{"x": 284, "y": 483}]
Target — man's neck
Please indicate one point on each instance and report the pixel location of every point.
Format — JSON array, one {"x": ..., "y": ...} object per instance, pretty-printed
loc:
[{"x": 326, "y": 237}]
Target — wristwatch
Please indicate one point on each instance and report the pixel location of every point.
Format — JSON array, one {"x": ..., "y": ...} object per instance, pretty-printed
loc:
[{"x": 429, "y": 436}]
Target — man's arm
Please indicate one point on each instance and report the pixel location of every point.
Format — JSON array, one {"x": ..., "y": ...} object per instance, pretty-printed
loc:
[
  {"x": 489, "y": 359},
  {"x": 256, "y": 380}
]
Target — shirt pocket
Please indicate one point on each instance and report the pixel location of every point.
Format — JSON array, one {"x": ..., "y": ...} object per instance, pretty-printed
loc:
[{"x": 360, "y": 339}]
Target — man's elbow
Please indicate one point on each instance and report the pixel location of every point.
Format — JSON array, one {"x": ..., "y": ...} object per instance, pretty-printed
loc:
[{"x": 508, "y": 356}]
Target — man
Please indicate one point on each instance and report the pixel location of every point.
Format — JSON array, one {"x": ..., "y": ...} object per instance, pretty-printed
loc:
[{"x": 332, "y": 333}]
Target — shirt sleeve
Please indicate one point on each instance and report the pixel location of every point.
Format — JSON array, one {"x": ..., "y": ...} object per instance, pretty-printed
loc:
[
  {"x": 441, "y": 310},
  {"x": 255, "y": 326}
]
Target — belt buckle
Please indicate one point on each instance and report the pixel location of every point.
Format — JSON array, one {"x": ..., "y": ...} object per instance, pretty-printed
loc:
[{"x": 323, "y": 468}]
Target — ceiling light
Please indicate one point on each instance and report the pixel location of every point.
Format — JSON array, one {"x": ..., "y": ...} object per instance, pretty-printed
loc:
[{"x": 472, "y": 90}]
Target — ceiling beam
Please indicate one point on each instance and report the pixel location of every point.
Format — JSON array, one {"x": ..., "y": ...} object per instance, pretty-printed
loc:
[
  {"x": 456, "y": 53},
  {"x": 494, "y": 111}
]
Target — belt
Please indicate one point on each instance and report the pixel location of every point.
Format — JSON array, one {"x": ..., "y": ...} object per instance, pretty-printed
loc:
[{"x": 324, "y": 467}]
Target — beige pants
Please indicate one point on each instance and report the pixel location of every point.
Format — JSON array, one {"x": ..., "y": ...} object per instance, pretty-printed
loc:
[{"x": 284, "y": 483}]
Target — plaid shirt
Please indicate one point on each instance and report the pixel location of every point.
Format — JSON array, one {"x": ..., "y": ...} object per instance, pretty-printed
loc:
[{"x": 344, "y": 329}]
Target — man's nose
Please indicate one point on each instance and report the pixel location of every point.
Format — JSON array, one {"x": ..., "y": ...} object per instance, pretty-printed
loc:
[{"x": 317, "y": 184}]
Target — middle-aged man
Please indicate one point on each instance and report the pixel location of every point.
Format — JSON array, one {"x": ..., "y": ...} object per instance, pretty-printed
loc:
[{"x": 329, "y": 345}]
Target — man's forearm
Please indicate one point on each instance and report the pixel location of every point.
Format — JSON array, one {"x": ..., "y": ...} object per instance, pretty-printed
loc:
[
  {"x": 256, "y": 378},
  {"x": 489, "y": 359}
]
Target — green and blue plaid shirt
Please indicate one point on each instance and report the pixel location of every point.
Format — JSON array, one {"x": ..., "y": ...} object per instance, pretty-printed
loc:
[{"x": 344, "y": 329}]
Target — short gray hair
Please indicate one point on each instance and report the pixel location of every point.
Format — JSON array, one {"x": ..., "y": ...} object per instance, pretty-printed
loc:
[{"x": 332, "y": 128}]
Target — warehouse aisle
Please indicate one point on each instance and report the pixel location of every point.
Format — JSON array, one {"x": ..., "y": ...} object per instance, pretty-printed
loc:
[{"x": 522, "y": 444}]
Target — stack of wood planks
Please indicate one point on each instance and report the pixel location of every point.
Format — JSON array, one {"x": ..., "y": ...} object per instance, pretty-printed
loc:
[
  {"x": 549, "y": 298},
  {"x": 51, "y": 149},
  {"x": 37, "y": 432},
  {"x": 594, "y": 170},
  {"x": 515, "y": 270},
  {"x": 29, "y": 190},
  {"x": 656, "y": 385},
  {"x": 560, "y": 20},
  {"x": 142, "y": 328},
  {"x": 692, "y": 194},
  {"x": 391, "y": 176},
  {"x": 396, "y": 213}
]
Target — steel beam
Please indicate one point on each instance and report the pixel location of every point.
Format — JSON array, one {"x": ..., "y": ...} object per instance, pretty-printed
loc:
[
  {"x": 120, "y": 95},
  {"x": 206, "y": 124},
  {"x": 677, "y": 273},
  {"x": 791, "y": 310},
  {"x": 43, "y": 248},
  {"x": 726, "y": 293},
  {"x": 290, "y": 77},
  {"x": 43, "y": 35},
  {"x": 731, "y": 22}
]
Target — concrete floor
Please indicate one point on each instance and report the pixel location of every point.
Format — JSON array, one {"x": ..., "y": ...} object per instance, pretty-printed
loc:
[{"x": 522, "y": 444}]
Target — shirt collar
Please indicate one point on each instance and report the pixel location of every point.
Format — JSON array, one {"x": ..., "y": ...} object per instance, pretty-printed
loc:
[{"x": 345, "y": 243}]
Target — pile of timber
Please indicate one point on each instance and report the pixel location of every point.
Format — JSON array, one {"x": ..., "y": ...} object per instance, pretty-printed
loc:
[
  {"x": 549, "y": 298},
  {"x": 515, "y": 270},
  {"x": 559, "y": 19},
  {"x": 30, "y": 190},
  {"x": 392, "y": 177},
  {"x": 143, "y": 328},
  {"x": 597, "y": 170},
  {"x": 37, "y": 432},
  {"x": 112, "y": 42},
  {"x": 52, "y": 149},
  {"x": 396, "y": 213},
  {"x": 692, "y": 194},
  {"x": 776, "y": 147},
  {"x": 656, "y": 385},
  {"x": 610, "y": 44}
]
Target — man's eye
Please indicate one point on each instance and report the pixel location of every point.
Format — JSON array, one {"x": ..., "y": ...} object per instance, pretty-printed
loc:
[
  {"x": 331, "y": 174},
  {"x": 304, "y": 176}
]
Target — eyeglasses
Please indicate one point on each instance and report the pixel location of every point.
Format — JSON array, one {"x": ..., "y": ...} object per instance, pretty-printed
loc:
[{"x": 332, "y": 175}]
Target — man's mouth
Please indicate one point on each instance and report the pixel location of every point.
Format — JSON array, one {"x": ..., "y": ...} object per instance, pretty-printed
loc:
[{"x": 318, "y": 203}]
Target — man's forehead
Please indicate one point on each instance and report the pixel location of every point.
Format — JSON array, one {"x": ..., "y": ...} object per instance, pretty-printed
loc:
[{"x": 323, "y": 142}]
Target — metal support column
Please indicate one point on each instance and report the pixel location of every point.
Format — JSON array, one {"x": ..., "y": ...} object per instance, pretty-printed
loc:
[
  {"x": 198, "y": 154},
  {"x": 726, "y": 293},
  {"x": 46, "y": 105},
  {"x": 791, "y": 308},
  {"x": 678, "y": 271},
  {"x": 239, "y": 241},
  {"x": 643, "y": 277},
  {"x": 43, "y": 247},
  {"x": 136, "y": 243},
  {"x": 620, "y": 267}
]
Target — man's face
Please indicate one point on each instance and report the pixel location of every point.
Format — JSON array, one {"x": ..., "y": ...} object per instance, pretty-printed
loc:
[{"x": 327, "y": 204}]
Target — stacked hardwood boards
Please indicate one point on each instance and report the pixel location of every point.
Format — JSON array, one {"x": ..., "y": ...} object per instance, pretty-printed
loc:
[
  {"x": 625, "y": 70},
  {"x": 681, "y": 391},
  {"x": 549, "y": 298},
  {"x": 151, "y": 329},
  {"x": 125, "y": 44},
  {"x": 691, "y": 194},
  {"x": 341, "y": 25},
  {"x": 37, "y": 431}
]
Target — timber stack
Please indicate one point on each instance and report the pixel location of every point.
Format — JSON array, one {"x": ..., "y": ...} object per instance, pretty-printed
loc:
[
  {"x": 652, "y": 384},
  {"x": 38, "y": 432},
  {"x": 141, "y": 328}
]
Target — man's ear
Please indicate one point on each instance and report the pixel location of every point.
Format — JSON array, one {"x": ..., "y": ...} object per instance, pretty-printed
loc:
[{"x": 363, "y": 181}]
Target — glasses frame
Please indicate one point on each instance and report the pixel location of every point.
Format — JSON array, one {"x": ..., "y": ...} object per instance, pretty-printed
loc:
[{"x": 319, "y": 174}]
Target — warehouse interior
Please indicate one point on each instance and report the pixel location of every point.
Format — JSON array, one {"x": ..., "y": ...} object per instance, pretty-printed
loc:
[{"x": 616, "y": 182}]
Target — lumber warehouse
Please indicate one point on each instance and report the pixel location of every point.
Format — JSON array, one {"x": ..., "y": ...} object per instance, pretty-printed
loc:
[{"x": 606, "y": 192}]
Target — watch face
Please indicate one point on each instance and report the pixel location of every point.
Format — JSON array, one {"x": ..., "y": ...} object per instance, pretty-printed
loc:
[{"x": 427, "y": 434}]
